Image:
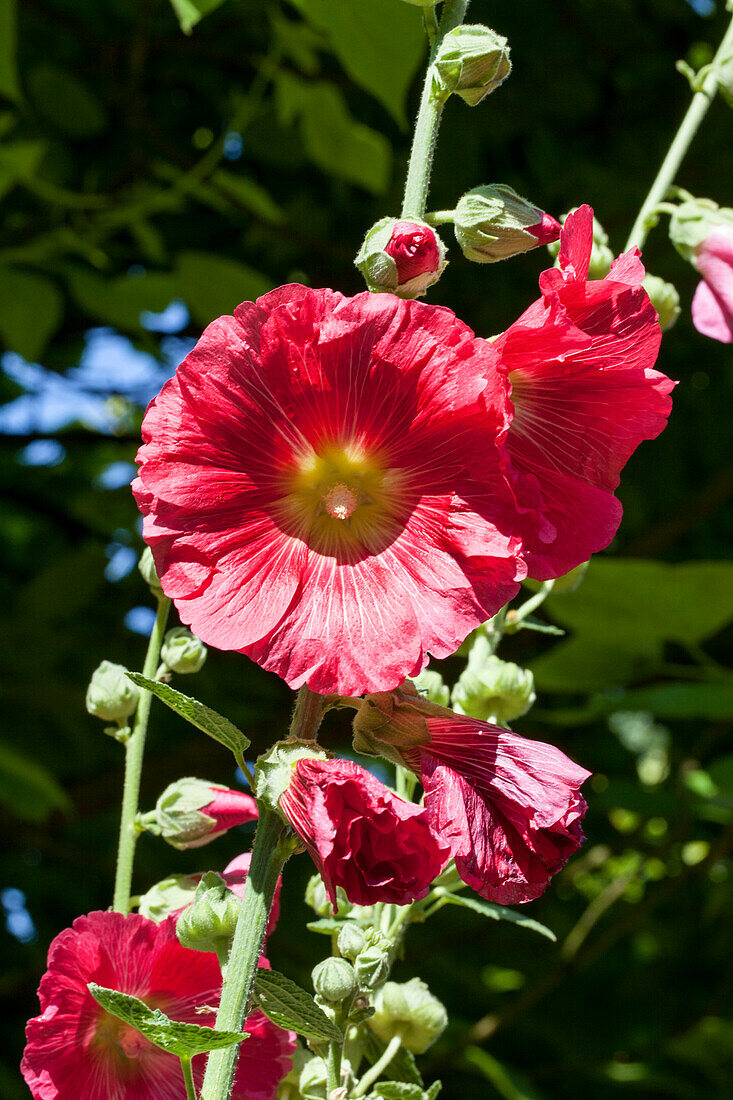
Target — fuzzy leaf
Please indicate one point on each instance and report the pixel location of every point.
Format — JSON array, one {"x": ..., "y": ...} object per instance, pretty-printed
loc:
[
  {"x": 499, "y": 912},
  {"x": 198, "y": 714},
  {"x": 183, "y": 1040},
  {"x": 290, "y": 1007}
]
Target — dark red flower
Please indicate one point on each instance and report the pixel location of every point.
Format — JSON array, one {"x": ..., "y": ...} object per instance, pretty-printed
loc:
[
  {"x": 77, "y": 1051},
  {"x": 584, "y": 394},
  {"x": 322, "y": 490},
  {"x": 360, "y": 835}
]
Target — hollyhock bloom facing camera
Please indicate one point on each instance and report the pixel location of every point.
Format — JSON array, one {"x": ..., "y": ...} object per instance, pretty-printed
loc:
[
  {"x": 583, "y": 395},
  {"x": 78, "y": 1051},
  {"x": 509, "y": 808},
  {"x": 360, "y": 835},
  {"x": 322, "y": 490}
]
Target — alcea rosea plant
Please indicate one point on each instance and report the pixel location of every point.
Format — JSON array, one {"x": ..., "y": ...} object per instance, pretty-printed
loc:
[{"x": 338, "y": 489}]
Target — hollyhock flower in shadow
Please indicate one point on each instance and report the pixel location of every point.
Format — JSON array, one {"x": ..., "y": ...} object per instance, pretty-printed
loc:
[
  {"x": 78, "y": 1051},
  {"x": 321, "y": 490},
  {"x": 712, "y": 305},
  {"x": 360, "y": 835},
  {"x": 509, "y": 808},
  {"x": 583, "y": 396}
]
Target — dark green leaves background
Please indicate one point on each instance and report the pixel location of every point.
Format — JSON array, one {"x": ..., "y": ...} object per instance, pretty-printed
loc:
[{"x": 138, "y": 165}]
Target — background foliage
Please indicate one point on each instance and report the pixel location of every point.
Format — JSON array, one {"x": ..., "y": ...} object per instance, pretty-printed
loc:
[{"x": 152, "y": 180}]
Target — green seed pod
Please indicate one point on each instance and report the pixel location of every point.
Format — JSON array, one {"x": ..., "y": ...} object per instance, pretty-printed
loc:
[
  {"x": 334, "y": 980},
  {"x": 110, "y": 695},
  {"x": 410, "y": 1009},
  {"x": 351, "y": 940},
  {"x": 371, "y": 968},
  {"x": 208, "y": 924},
  {"x": 168, "y": 896},
  {"x": 182, "y": 651}
]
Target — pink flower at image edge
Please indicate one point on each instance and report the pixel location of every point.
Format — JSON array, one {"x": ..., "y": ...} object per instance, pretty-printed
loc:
[{"x": 712, "y": 305}]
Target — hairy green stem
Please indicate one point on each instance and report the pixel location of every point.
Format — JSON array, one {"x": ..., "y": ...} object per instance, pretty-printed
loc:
[
  {"x": 188, "y": 1078},
  {"x": 379, "y": 1066},
  {"x": 134, "y": 751},
  {"x": 682, "y": 140},
  {"x": 269, "y": 852},
  {"x": 308, "y": 714},
  {"x": 417, "y": 184}
]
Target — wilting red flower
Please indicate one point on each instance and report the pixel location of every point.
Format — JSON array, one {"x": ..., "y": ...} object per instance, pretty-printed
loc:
[
  {"x": 509, "y": 808},
  {"x": 321, "y": 488},
  {"x": 360, "y": 835},
  {"x": 584, "y": 395},
  {"x": 712, "y": 305},
  {"x": 78, "y": 1051},
  {"x": 414, "y": 248}
]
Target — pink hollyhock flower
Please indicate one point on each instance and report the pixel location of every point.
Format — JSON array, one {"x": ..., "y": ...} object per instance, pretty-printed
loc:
[
  {"x": 414, "y": 248},
  {"x": 321, "y": 490},
  {"x": 360, "y": 835},
  {"x": 78, "y": 1051},
  {"x": 509, "y": 808},
  {"x": 584, "y": 394},
  {"x": 712, "y": 305}
]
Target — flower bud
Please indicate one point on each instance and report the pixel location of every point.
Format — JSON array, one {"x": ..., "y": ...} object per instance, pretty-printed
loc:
[
  {"x": 571, "y": 581},
  {"x": 313, "y": 1080},
  {"x": 430, "y": 685},
  {"x": 110, "y": 695},
  {"x": 497, "y": 691},
  {"x": 208, "y": 923},
  {"x": 191, "y": 812},
  {"x": 317, "y": 897},
  {"x": 351, "y": 940},
  {"x": 601, "y": 256},
  {"x": 168, "y": 896},
  {"x": 401, "y": 257},
  {"x": 664, "y": 298},
  {"x": 410, "y": 1009},
  {"x": 371, "y": 967},
  {"x": 148, "y": 572},
  {"x": 334, "y": 979},
  {"x": 182, "y": 651},
  {"x": 693, "y": 221},
  {"x": 493, "y": 222},
  {"x": 472, "y": 61}
]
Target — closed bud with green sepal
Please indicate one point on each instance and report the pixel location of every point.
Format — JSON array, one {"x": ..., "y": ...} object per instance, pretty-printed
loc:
[
  {"x": 472, "y": 62},
  {"x": 111, "y": 696},
  {"x": 208, "y": 924},
  {"x": 182, "y": 651},
  {"x": 493, "y": 222}
]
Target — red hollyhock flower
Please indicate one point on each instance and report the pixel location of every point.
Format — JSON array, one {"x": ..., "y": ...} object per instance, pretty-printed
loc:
[
  {"x": 78, "y": 1051},
  {"x": 360, "y": 835},
  {"x": 712, "y": 305},
  {"x": 415, "y": 251},
  {"x": 320, "y": 488},
  {"x": 584, "y": 394},
  {"x": 509, "y": 808}
]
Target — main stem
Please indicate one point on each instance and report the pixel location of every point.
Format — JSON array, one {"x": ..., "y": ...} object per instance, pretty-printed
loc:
[
  {"x": 269, "y": 853},
  {"x": 134, "y": 751},
  {"x": 417, "y": 184},
  {"x": 683, "y": 138}
]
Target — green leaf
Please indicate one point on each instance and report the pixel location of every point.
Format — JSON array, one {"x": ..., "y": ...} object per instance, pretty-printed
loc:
[
  {"x": 214, "y": 285},
  {"x": 66, "y": 102},
  {"x": 290, "y": 1007},
  {"x": 507, "y": 1082},
  {"x": 401, "y": 1068},
  {"x": 713, "y": 700},
  {"x": 30, "y": 311},
  {"x": 334, "y": 140},
  {"x": 248, "y": 194},
  {"x": 191, "y": 12},
  {"x": 379, "y": 43},
  {"x": 9, "y": 86},
  {"x": 497, "y": 912},
  {"x": 397, "y": 1090},
  {"x": 19, "y": 160},
  {"x": 198, "y": 714},
  {"x": 119, "y": 301},
  {"x": 27, "y": 789},
  {"x": 183, "y": 1040},
  {"x": 326, "y": 926}
]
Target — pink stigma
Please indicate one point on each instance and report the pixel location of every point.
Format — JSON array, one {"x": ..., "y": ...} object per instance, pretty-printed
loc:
[{"x": 340, "y": 501}]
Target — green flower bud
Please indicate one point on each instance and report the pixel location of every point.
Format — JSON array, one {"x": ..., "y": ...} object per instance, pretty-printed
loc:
[
  {"x": 110, "y": 695},
  {"x": 317, "y": 898},
  {"x": 351, "y": 940},
  {"x": 691, "y": 223},
  {"x": 410, "y": 1009},
  {"x": 334, "y": 979},
  {"x": 170, "y": 895},
  {"x": 430, "y": 685},
  {"x": 182, "y": 651},
  {"x": 664, "y": 298},
  {"x": 493, "y": 222},
  {"x": 402, "y": 257},
  {"x": 208, "y": 923},
  {"x": 371, "y": 968},
  {"x": 472, "y": 61},
  {"x": 313, "y": 1080},
  {"x": 148, "y": 572},
  {"x": 496, "y": 690},
  {"x": 192, "y": 812},
  {"x": 601, "y": 256}
]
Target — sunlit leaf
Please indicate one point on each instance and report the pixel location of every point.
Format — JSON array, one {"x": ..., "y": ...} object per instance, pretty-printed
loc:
[
  {"x": 290, "y": 1007},
  {"x": 191, "y": 12},
  {"x": 198, "y": 714},
  {"x": 497, "y": 912}
]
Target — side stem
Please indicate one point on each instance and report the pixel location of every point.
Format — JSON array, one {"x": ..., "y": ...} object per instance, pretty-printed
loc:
[
  {"x": 269, "y": 852},
  {"x": 134, "y": 751},
  {"x": 417, "y": 184},
  {"x": 681, "y": 143}
]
